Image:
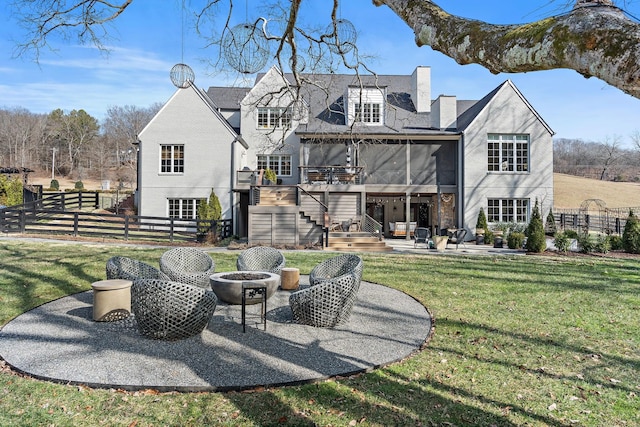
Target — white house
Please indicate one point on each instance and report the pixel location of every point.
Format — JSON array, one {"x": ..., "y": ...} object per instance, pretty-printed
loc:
[{"x": 376, "y": 151}]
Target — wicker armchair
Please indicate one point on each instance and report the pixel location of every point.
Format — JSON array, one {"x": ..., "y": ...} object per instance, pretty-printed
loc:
[
  {"x": 329, "y": 300},
  {"x": 119, "y": 267},
  {"x": 171, "y": 310},
  {"x": 261, "y": 258},
  {"x": 188, "y": 265}
]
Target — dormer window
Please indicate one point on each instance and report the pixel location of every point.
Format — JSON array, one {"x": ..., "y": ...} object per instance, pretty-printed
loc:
[
  {"x": 368, "y": 113},
  {"x": 366, "y": 105}
]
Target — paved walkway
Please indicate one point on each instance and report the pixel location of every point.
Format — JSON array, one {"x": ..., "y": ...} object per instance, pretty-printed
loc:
[
  {"x": 469, "y": 248},
  {"x": 59, "y": 341}
]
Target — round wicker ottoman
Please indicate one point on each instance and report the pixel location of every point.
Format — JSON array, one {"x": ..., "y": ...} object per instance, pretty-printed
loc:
[{"x": 111, "y": 300}]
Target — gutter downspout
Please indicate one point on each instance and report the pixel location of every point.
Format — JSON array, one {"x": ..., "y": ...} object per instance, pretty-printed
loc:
[
  {"x": 138, "y": 145},
  {"x": 232, "y": 201}
]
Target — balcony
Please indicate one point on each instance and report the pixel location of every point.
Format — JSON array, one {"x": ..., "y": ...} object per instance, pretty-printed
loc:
[{"x": 331, "y": 174}]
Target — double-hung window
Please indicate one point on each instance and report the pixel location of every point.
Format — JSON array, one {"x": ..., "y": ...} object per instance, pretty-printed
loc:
[
  {"x": 508, "y": 210},
  {"x": 508, "y": 153},
  {"x": 172, "y": 158},
  {"x": 184, "y": 208},
  {"x": 368, "y": 112},
  {"x": 274, "y": 117},
  {"x": 279, "y": 163}
]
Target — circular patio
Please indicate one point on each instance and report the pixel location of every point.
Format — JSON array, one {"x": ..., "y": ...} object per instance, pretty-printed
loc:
[{"x": 60, "y": 342}]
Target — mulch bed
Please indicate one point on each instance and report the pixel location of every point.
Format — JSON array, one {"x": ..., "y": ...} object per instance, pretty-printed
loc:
[{"x": 572, "y": 254}]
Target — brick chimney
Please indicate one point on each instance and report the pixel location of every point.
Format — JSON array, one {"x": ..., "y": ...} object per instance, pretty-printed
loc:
[
  {"x": 445, "y": 112},
  {"x": 421, "y": 89}
]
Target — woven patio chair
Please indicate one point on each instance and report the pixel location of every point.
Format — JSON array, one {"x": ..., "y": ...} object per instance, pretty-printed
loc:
[
  {"x": 261, "y": 258},
  {"x": 170, "y": 310},
  {"x": 119, "y": 267},
  {"x": 329, "y": 300},
  {"x": 421, "y": 235},
  {"x": 188, "y": 265}
]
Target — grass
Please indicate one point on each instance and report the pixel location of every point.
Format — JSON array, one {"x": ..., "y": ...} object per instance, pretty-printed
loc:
[
  {"x": 522, "y": 340},
  {"x": 570, "y": 191}
]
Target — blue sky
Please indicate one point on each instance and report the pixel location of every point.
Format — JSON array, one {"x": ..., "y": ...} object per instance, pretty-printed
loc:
[{"x": 147, "y": 41}]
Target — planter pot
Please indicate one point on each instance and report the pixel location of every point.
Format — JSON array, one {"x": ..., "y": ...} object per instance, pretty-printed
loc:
[
  {"x": 441, "y": 243},
  {"x": 480, "y": 239}
]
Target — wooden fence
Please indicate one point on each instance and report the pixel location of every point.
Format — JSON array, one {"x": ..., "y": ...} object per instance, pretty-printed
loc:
[
  {"x": 63, "y": 215},
  {"x": 605, "y": 221}
]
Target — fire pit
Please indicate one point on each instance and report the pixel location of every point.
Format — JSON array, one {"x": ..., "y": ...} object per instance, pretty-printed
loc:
[{"x": 228, "y": 285}]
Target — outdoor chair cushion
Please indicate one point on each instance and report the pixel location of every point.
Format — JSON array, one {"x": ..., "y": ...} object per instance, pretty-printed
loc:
[
  {"x": 119, "y": 267},
  {"x": 170, "y": 310},
  {"x": 329, "y": 299},
  {"x": 188, "y": 265},
  {"x": 261, "y": 258}
]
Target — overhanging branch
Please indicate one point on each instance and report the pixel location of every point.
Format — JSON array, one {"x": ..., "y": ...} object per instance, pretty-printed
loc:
[{"x": 596, "y": 40}]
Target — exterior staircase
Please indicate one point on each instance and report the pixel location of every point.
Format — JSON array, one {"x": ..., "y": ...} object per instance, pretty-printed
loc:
[
  {"x": 355, "y": 241},
  {"x": 274, "y": 196},
  {"x": 277, "y": 199}
]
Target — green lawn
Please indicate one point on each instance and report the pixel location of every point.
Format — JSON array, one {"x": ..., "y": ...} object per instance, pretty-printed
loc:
[{"x": 522, "y": 340}]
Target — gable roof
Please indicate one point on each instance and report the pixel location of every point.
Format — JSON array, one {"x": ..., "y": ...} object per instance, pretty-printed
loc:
[
  {"x": 209, "y": 103},
  {"x": 467, "y": 117}
]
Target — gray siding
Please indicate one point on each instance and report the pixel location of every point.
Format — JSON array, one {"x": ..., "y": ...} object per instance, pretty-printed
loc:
[
  {"x": 281, "y": 226},
  {"x": 344, "y": 205}
]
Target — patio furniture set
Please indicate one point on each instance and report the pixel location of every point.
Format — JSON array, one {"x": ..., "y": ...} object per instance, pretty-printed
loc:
[{"x": 179, "y": 299}]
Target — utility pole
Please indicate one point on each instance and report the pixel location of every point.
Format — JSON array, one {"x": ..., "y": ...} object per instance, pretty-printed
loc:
[{"x": 53, "y": 163}]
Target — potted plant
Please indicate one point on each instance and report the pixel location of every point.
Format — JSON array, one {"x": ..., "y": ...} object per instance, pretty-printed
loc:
[
  {"x": 207, "y": 212},
  {"x": 481, "y": 227},
  {"x": 270, "y": 177}
]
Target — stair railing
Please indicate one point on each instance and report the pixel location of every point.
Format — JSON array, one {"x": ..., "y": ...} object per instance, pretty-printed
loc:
[
  {"x": 323, "y": 210},
  {"x": 371, "y": 226}
]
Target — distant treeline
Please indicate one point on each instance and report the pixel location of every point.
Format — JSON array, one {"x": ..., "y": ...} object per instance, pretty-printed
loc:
[
  {"x": 78, "y": 146},
  {"x": 74, "y": 144},
  {"x": 606, "y": 160}
]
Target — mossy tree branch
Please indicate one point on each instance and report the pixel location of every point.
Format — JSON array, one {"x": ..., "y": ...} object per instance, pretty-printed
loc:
[{"x": 595, "y": 39}]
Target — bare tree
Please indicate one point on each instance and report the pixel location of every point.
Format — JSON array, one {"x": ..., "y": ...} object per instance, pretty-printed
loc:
[
  {"x": 610, "y": 156},
  {"x": 635, "y": 138},
  {"x": 121, "y": 128},
  {"x": 81, "y": 20},
  {"x": 21, "y": 134},
  {"x": 594, "y": 38}
]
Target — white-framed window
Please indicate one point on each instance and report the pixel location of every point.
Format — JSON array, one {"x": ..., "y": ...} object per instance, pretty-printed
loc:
[
  {"x": 365, "y": 105},
  {"x": 279, "y": 163},
  {"x": 172, "y": 158},
  {"x": 368, "y": 112},
  {"x": 508, "y": 210},
  {"x": 184, "y": 208},
  {"x": 274, "y": 117},
  {"x": 508, "y": 153}
]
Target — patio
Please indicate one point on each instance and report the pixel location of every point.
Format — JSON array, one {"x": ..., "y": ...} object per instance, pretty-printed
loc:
[{"x": 60, "y": 342}]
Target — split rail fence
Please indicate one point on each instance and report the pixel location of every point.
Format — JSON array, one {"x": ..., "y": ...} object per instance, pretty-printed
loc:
[{"x": 71, "y": 214}]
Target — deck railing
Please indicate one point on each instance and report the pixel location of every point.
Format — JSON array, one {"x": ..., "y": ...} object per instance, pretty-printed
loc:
[{"x": 331, "y": 174}]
